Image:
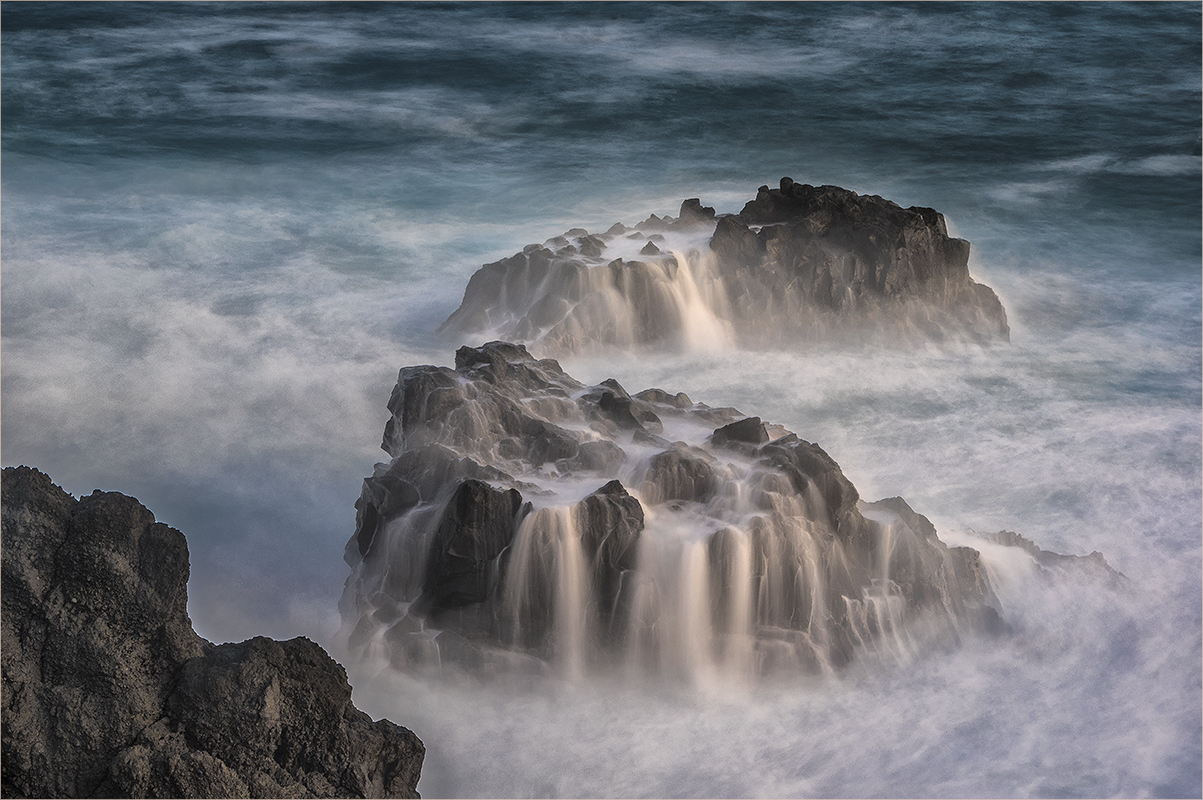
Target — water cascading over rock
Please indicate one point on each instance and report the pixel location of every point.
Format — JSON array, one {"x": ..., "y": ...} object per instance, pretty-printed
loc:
[
  {"x": 528, "y": 521},
  {"x": 799, "y": 264}
]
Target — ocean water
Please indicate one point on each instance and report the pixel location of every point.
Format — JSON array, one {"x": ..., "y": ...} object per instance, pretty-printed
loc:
[{"x": 226, "y": 227}]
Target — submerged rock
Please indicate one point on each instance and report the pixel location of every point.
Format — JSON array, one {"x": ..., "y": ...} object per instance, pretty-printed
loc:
[
  {"x": 108, "y": 691},
  {"x": 731, "y": 551},
  {"x": 798, "y": 264}
]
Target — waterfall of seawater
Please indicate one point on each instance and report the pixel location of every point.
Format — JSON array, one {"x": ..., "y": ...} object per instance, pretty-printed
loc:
[
  {"x": 716, "y": 597},
  {"x": 691, "y": 608},
  {"x": 704, "y": 606},
  {"x": 677, "y": 299},
  {"x": 628, "y": 535},
  {"x": 702, "y": 302},
  {"x": 548, "y": 573}
]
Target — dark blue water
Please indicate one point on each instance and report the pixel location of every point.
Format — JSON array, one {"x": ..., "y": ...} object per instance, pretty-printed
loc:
[{"x": 226, "y": 226}]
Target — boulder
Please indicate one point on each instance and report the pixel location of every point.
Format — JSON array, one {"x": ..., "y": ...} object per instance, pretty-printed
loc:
[
  {"x": 680, "y": 473},
  {"x": 749, "y": 431}
]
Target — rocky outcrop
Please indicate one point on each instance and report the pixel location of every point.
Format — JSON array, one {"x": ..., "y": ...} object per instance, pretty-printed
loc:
[
  {"x": 596, "y": 542},
  {"x": 833, "y": 252},
  {"x": 108, "y": 691},
  {"x": 1091, "y": 567},
  {"x": 798, "y": 264}
]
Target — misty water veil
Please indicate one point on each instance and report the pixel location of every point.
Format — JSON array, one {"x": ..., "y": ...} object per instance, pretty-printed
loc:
[{"x": 775, "y": 400}]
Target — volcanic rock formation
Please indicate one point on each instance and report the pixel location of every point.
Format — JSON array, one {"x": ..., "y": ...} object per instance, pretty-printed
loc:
[
  {"x": 798, "y": 264},
  {"x": 529, "y": 520},
  {"x": 1056, "y": 566},
  {"x": 108, "y": 691}
]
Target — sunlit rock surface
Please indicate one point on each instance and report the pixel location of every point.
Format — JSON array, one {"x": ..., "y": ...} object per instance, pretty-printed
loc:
[
  {"x": 530, "y": 522},
  {"x": 108, "y": 691},
  {"x": 799, "y": 264}
]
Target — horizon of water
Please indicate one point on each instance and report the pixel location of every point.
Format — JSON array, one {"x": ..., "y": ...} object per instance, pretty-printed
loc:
[{"x": 227, "y": 226}]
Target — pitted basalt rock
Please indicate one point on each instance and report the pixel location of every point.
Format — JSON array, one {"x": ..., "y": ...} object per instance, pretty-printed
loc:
[{"x": 108, "y": 691}]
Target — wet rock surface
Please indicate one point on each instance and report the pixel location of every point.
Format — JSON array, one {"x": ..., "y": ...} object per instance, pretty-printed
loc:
[
  {"x": 798, "y": 264},
  {"x": 669, "y": 537},
  {"x": 108, "y": 691}
]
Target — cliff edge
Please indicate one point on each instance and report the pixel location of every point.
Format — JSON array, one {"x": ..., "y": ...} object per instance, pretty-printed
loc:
[{"x": 109, "y": 692}]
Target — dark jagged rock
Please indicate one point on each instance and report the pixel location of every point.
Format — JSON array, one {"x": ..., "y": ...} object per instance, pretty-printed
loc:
[
  {"x": 268, "y": 719},
  {"x": 817, "y": 478},
  {"x": 918, "y": 523},
  {"x": 1092, "y": 567},
  {"x": 431, "y": 467},
  {"x": 680, "y": 473},
  {"x": 107, "y": 690},
  {"x": 745, "y": 539},
  {"x": 830, "y": 248},
  {"x": 601, "y": 456},
  {"x": 679, "y": 400},
  {"x": 415, "y": 476},
  {"x": 94, "y": 627},
  {"x": 694, "y": 213},
  {"x": 591, "y": 246},
  {"x": 922, "y": 567},
  {"x": 748, "y": 431},
  {"x": 736, "y": 244},
  {"x": 477, "y": 525},
  {"x": 430, "y": 405},
  {"x": 382, "y": 499},
  {"x": 611, "y": 405},
  {"x": 653, "y": 223},
  {"x": 798, "y": 264},
  {"x": 609, "y": 522}
]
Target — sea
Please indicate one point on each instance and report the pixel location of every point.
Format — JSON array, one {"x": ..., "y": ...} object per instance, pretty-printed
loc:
[{"x": 226, "y": 226}]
